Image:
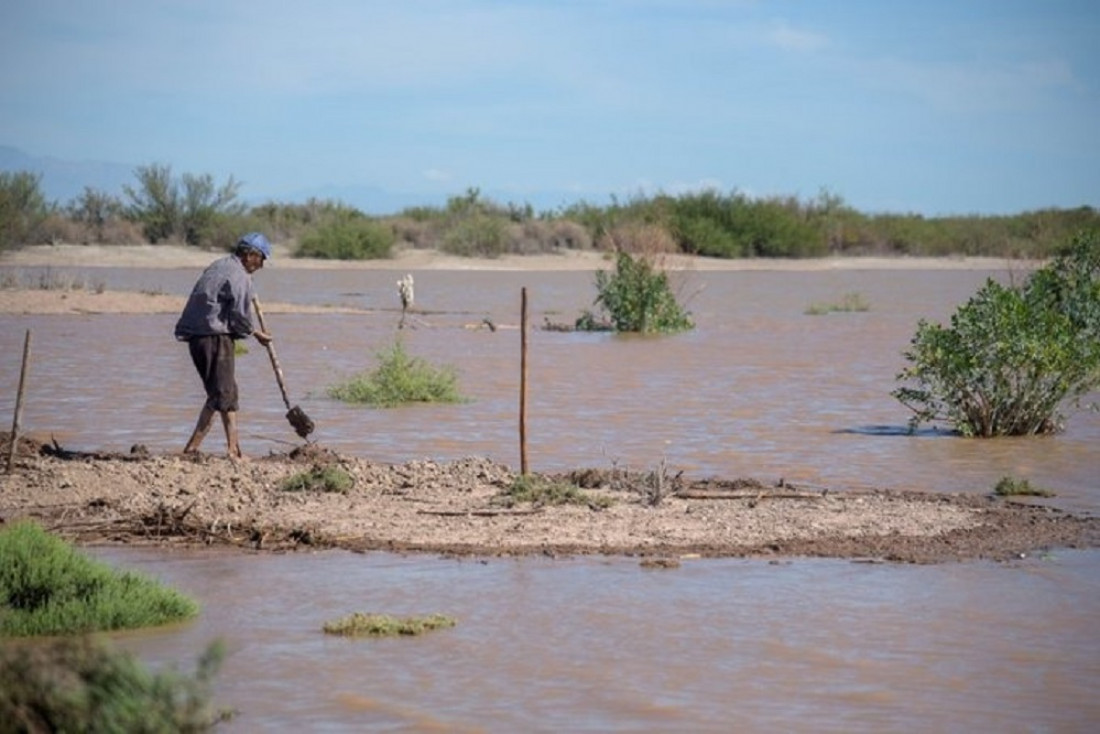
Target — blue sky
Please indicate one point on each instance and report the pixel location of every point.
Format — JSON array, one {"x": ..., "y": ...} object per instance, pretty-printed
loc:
[{"x": 936, "y": 107}]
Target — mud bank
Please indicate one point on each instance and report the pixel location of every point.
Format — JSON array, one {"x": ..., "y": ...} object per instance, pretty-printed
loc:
[{"x": 459, "y": 508}]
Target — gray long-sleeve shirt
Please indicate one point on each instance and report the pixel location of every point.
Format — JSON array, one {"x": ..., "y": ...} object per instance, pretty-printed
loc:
[{"x": 220, "y": 302}]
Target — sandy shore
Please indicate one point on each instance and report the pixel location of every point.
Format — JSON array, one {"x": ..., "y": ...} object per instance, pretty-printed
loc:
[
  {"x": 26, "y": 299},
  {"x": 172, "y": 256}
]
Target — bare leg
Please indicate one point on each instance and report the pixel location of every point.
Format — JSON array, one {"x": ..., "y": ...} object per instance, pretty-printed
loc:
[
  {"x": 206, "y": 417},
  {"x": 232, "y": 440}
]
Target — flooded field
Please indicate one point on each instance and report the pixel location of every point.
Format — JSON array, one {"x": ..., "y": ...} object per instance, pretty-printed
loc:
[{"x": 759, "y": 389}]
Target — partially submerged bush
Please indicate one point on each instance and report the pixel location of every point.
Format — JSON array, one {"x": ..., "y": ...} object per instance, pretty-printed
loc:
[
  {"x": 637, "y": 297},
  {"x": 81, "y": 685},
  {"x": 848, "y": 303},
  {"x": 400, "y": 379},
  {"x": 320, "y": 479},
  {"x": 1011, "y": 487},
  {"x": 49, "y": 588},
  {"x": 383, "y": 625},
  {"x": 1012, "y": 355}
]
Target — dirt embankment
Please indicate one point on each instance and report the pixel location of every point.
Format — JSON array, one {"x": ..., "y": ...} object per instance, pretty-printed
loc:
[{"x": 459, "y": 508}]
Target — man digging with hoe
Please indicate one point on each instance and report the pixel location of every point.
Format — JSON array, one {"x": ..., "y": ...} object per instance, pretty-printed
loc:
[{"x": 217, "y": 313}]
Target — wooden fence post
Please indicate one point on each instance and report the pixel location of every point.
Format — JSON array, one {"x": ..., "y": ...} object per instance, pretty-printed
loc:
[
  {"x": 19, "y": 402},
  {"x": 523, "y": 384}
]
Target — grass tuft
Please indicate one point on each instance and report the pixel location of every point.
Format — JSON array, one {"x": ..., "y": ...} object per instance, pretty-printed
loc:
[
  {"x": 49, "y": 588},
  {"x": 399, "y": 379},
  {"x": 1012, "y": 487},
  {"x": 848, "y": 303},
  {"x": 320, "y": 479},
  {"x": 359, "y": 624},
  {"x": 542, "y": 492}
]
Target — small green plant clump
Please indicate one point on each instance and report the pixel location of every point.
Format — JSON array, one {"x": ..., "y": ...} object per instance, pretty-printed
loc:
[
  {"x": 541, "y": 492},
  {"x": 1012, "y": 487},
  {"x": 329, "y": 478},
  {"x": 637, "y": 297},
  {"x": 399, "y": 379},
  {"x": 1012, "y": 354},
  {"x": 48, "y": 588},
  {"x": 848, "y": 303},
  {"x": 82, "y": 685},
  {"x": 360, "y": 624}
]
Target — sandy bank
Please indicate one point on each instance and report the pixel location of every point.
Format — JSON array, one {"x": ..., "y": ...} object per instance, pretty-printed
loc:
[{"x": 171, "y": 256}]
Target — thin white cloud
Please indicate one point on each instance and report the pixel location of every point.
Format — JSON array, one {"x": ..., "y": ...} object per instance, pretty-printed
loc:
[
  {"x": 975, "y": 86},
  {"x": 789, "y": 38},
  {"x": 436, "y": 174}
]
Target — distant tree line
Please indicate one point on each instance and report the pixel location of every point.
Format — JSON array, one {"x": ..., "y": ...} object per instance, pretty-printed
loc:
[{"x": 162, "y": 207}]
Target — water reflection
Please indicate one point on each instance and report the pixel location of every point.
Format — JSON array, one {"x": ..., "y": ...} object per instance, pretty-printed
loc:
[
  {"x": 604, "y": 645},
  {"x": 898, "y": 431}
]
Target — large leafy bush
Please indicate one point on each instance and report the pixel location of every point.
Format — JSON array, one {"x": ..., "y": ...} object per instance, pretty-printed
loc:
[
  {"x": 81, "y": 684},
  {"x": 1012, "y": 355},
  {"x": 637, "y": 297}
]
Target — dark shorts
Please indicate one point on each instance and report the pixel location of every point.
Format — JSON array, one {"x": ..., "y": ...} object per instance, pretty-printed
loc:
[{"x": 213, "y": 358}]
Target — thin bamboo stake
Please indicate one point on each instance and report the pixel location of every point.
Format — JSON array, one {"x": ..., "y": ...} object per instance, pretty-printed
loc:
[
  {"x": 523, "y": 384},
  {"x": 17, "y": 419}
]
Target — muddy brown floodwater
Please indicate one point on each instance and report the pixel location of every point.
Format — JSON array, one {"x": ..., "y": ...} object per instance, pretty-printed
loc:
[{"x": 759, "y": 390}]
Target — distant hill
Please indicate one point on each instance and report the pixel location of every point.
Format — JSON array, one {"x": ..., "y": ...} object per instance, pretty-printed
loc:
[{"x": 64, "y": 180}]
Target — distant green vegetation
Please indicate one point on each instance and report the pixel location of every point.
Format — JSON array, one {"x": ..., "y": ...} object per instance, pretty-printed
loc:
[
  {"x": 359, "y": 624},
  {"x": 47, "y": 587},
  {"x": 194, "y": 209},
  {"x": 1012, "y": 355},
  {"x": 23, "y": 208},
  {"x": 848, "y": 303},
  {"x": 399, "y": 379},
  {"x": 346, "y": 234},
  {"x": 82, "y": 685}
]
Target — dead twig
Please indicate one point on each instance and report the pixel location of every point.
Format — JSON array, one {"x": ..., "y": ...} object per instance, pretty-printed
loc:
[
  {"x": 478, "y": 513},
  {"x": 705, "y": 494}
]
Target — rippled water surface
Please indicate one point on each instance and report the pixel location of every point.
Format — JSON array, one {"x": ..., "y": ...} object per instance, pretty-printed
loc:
[{"x": 759, "y": 389}]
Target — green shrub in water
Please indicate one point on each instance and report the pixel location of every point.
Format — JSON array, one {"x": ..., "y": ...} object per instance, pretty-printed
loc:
[
  {"x": 48, "y": 588},
  {"x": 637, "y": 298},
  {"x": 399, "y": 379},
  {"x": 360, "y": 624},
  {"x": 78, "y": 684},
  {"x": 848, "y": 303},
  {"x": 1012, "y": 487},
  {"x": 1012, "y": 355}
]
